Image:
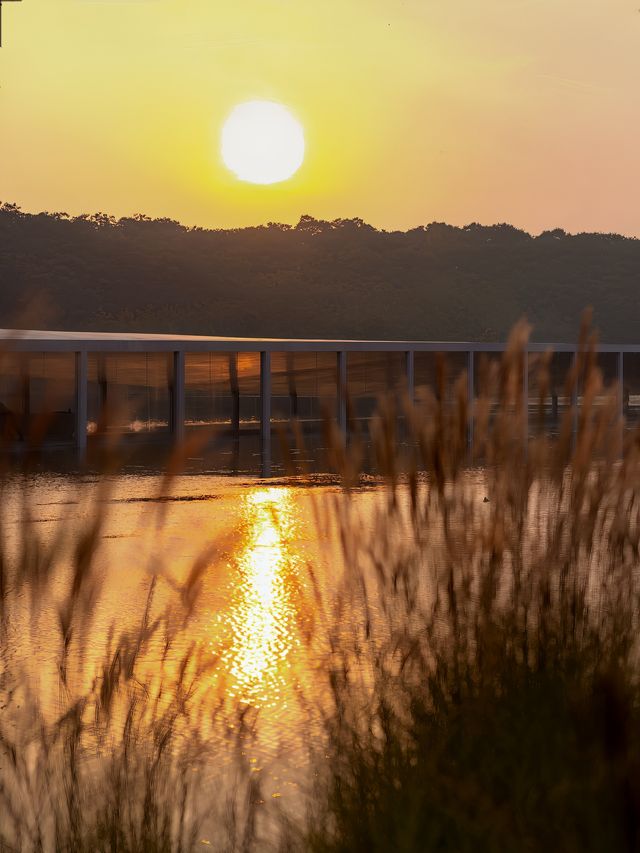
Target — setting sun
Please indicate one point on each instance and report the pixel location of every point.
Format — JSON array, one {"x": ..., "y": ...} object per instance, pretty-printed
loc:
[{"x": 262, "y": 143}]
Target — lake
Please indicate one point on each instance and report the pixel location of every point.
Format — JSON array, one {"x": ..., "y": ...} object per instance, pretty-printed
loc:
[{"x": 253, "y": 611}]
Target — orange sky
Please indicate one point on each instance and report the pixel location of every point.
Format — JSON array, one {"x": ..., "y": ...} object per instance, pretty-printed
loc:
[{"x": 524, "y": 111}]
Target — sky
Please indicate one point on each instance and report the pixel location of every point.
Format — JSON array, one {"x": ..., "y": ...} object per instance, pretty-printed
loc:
[{"x": 520, "y": 111}]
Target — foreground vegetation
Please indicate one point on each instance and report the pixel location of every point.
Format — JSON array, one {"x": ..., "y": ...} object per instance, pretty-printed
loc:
[
  {"x": 489, "y": 698},
  {"x": 108, "y": 736},
  {"x": 478, "y": 659}
]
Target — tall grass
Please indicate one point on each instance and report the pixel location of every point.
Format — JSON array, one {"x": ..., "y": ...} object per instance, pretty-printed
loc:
[
  {"x": 475, "y": 663},
  {"x": 482, "y": 650},
  {"x": 108, "y": 737}
]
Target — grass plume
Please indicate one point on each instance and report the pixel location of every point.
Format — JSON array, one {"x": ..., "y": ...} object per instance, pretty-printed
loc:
[
  {"x": 476, "y": 664},
  {"x": 482, "y": 649}
]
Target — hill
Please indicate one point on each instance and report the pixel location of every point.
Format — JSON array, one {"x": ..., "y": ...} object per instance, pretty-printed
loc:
[{"x": 340, "y": 279}]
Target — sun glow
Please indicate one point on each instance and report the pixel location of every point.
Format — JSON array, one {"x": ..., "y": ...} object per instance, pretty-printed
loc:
[{"x": 262, "y": 143}]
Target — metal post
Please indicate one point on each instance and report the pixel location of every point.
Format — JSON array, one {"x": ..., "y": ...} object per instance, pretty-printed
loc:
[
  {"x": 404, "y": 418},
  {"x": 525, "y": 397},
  {"x": 25, "y": 390},
  {"x": 177, "y": 397},
  {"x": 342, "y": 392},
  {"x": 410, "y": 373},
  {"x": 234, "y": 387},
  {"x": 621, "y": 399},
  {"x": 103, "y": 386},
  {"x": 291, "y": 382},
  {"x": 265, "y": 411},
  {"x": 471, "y": 395},
  {"x": 574, "y": 400},
  {"x": 621, "y": 383},
  {"x": 82, "y": 372}
]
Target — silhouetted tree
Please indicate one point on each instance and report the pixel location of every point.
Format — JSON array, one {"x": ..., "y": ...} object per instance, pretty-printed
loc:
[{"x": 321, "y": 278}]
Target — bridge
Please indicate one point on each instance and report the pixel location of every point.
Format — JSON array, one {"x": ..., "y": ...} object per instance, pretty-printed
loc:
[{"x": 155, "y": 386}]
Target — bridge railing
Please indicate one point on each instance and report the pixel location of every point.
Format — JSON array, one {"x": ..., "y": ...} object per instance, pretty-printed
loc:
[{"x": 251, "y": 387}]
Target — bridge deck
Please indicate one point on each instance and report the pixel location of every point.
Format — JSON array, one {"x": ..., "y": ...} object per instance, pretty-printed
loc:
[
  {"x": 64, "y": 341},
  {"x": 267, "y": 376}
]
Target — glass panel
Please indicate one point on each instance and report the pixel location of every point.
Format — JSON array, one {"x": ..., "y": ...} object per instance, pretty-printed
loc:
[
  {"x": 212, "y": 390},
  {"x": 38, "y": 396},
  {"x": 439, "y": 371},
  {"x": 129, "y": 392},
  {"x": 13, "y": 396},
  {"x": 249, "y": 387},
  {"x": 607, "y": 363},
  {"x": 631, "y": 389},
  {"x": 489, "y": 375},
  {"x": 303, "y": 387},
  {"x": 549, "y": 398},
  {"x": 371, "y": 375},
  {"x": 222, "y": 395},
  {"x": 52, "y": 394}
]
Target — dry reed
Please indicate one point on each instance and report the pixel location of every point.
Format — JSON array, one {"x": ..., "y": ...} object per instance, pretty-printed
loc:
[
  {"x": 478, "y": 659},
  {"x": 481, "y": 651}
]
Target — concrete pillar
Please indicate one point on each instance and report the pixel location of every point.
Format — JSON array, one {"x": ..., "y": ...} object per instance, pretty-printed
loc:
[
  {"x": 234, "y": 387},
  {"x": 177, "y": 397},
  {"x": 471, "y": 394},
  {"x": 621, "y": 384},
  {"x": 103, "y": 390},
  {"x": 291, "y": 381},
  {"x": 82, "y": 360},
  {"x": 341, "y": 414},
  {"x": 574, "y": 401},
  {"x": 25, "y": 394},
  {"x": 621, "y": 399},
  {"x": 525, "y": 397},
  {"x": 409, "y": 373},
  {"x": 265, "y": 411},
  {"x": 409, "y": 362}
]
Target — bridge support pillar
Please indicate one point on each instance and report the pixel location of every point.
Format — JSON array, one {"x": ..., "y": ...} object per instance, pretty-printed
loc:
[
  {"x": 177, "y": 397},
  {"x": 234, "y": 386},
  {"x": 471, "y": 395},
  {"x": 341, "y": 413},
  {"x": 409, "y": 361},
  {"x": 82, "y": 377},
  {"x": 574, "y": 400},
  {"x": 265, "y": 412},
  {"x": 525, "y": 398},
  {"x": 25, "y": 393},
  {"x": 622, "y": 404},
  {"x": 404, "y": 430}
]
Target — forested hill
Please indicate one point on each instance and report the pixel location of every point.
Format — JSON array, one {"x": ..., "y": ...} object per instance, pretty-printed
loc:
[{"x": 340, "y": 279}]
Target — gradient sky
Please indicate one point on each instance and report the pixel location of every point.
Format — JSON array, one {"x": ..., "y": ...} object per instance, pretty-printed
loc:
[{"x": 521, "y": 111}]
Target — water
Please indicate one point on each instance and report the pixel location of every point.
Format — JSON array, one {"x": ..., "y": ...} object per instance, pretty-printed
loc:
[
  {"x": 255, "y": 614},
  {"x": 253, "y": 611}
]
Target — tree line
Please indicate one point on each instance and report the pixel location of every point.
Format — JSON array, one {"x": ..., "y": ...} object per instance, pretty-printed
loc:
[{"x": 335, "y": 279}]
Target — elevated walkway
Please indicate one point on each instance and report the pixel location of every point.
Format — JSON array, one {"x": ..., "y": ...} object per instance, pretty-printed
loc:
[{"x": 175, "y": 383}]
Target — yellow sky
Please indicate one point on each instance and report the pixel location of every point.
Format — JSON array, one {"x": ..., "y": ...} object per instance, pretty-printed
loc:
[{"x": 525, "y": 111}]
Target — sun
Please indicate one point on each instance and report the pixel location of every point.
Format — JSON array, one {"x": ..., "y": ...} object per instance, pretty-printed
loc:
[{"x": 262, "y": 142}]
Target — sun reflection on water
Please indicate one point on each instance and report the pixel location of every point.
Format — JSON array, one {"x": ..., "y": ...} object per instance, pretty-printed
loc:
[{"x": 261, "y": 620}]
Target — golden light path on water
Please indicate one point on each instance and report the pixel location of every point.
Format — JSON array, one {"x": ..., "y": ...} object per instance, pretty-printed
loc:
[
  {"x": 253, "y": 601},
  {"x": 256, "y": 614},
  {"x": 258, "y": 632},
  {"x": 250, "y": 613}
]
